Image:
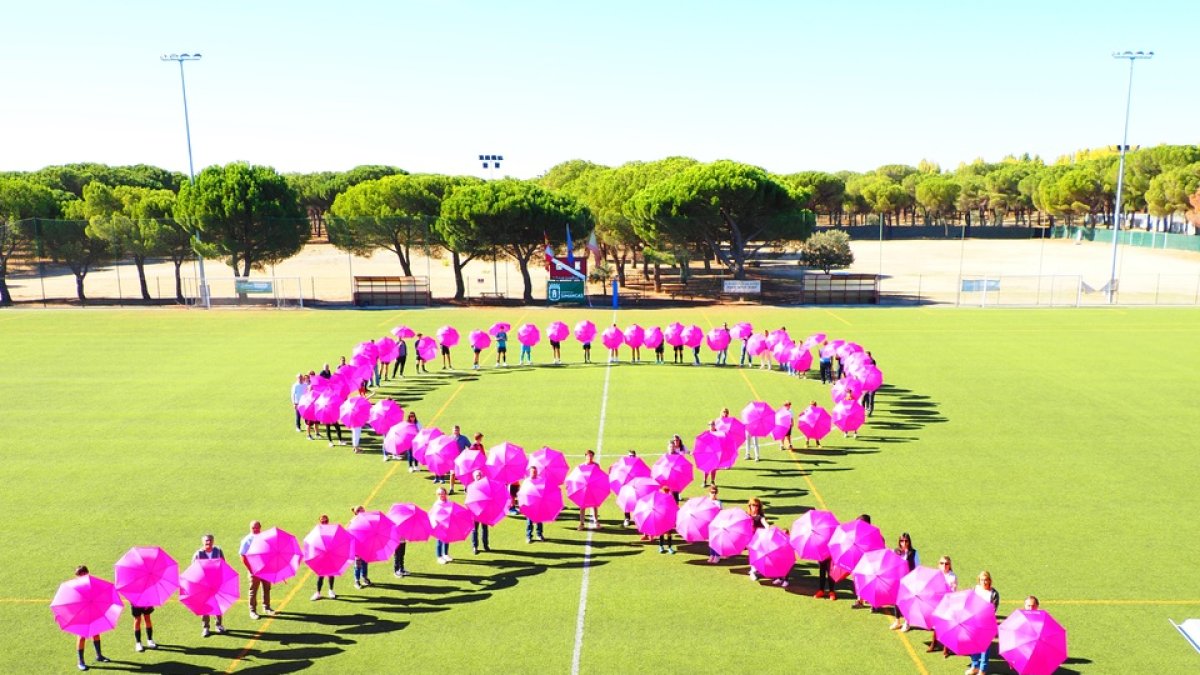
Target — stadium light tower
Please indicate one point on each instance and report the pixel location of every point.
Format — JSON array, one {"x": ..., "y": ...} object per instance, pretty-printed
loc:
[
  {"x": 1112, "y": 278},
  {"x": 187, "y": 128}
]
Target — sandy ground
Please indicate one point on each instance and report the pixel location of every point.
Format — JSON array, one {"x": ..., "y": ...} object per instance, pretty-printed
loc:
[{"x": 1030, "y": 272}]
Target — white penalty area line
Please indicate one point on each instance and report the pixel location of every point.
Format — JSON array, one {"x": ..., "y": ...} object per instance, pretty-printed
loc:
[{"x": 587, "y": 547}]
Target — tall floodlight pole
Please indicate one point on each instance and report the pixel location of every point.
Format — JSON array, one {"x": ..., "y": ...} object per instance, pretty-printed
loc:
[
  {"x": 187, "y": 128},
  {"x": 1112, "y": 278}
]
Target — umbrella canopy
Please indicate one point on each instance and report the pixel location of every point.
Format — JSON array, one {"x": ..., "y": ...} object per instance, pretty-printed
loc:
[
  {"x": 557, "y": 331},
  {"x": 877, "y": 577},
  {"x": 964, "y": 622},
  {"x": 375, "y": 537},
  {"x": 499, "y": 327},
  {"x": 306, "y": 405},
  {"x": 694, "y": 517},
  {"x": 328, "y": 550},
  {"x": 920, "y": 592},
  {"x": 487, "y": 500},
  {"x": 146, "y": 576},
  {"x": 800, "y": 358},
  {"x": 209, "y": 586},
  {"x": 777, "y": 336},
  {"x": 355, "y": 412},
  {"x": 412, "y": 522},
  {"x": 450, "y": 521},
  {"x": 551, "y": 465},
  {"x": 770, "y": 553},
  {"x": 709, "y": 450},
  {"x": 717, "y": 339},
  {"x": 587, "y": 486},
  {"x": 624, "y": 470},
  {"x": 811, "y": 533},
  {"x": 427, "y": 348},
  {"x": 440, "y": 454},
  {"x": 654, "y": 514},
  {"x": 814, "y": 423},
  {"x": 814, "y": 339},
  {"x": 612, "y": 337},
  {"x": 730, "y": 531},
  {"x": 870, "y": 377},
  {"x": 781, "y": 351},
  {"x": 447, "y": 336},
  {"x": 404, "y": 332},
  {"x": 479, "y": 339},
  {"x": 1032, "y": 642},
  {"x": 783, "y": 424},
  {"x": 741, "y": 331},
  {"x": 759, "y": 418},
  {"x": 848, "y": 415},
  {"x": 385, "y": 414},
  {"x": 274, "y": 555},
  {"x": 366, "y": 351},
  {"x": 653, "y": 338},
  {"x": 757, "y": 344},
  {"x": 467, "y": 463},
  {"x": 86, "y": 606},
  {"x": 849, "y": 542},
  {"x": 673, "y": 334},
  {"x": 389, "y": 349},
  {"x": 421, "y": 441},
  {"x": 539, "y": 500},
  {"x": 507, "y": 463},
  {"x": 633, "y": 490},
  {"x": 693, "y": 336},
  {"x": 635, "y": 335},
  {"x": 585, "y": 331},
  {"x": 674, "y": 471},
  {"x": 529, "y": 335},
  {"x": 327, "y": 407},
  {"x": 399, "y": 438}
]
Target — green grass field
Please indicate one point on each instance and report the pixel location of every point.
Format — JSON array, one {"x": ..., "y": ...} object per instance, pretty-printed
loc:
[{"x": 1054, "y": 448}]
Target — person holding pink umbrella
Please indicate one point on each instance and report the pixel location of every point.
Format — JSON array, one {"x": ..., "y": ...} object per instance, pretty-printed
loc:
[
  {"x": 323, "y": 520},
  {"x": 946, "y": 567},
  {"x": 361, "y": 580},
  {"x": 82, "y": 571},
  {"x": 759, "y": 518},
  {"x": 502, "y": 349},
  {"x": 442, "y": 548},
  {"x": 208, "y": 551},
  {"x": 530, "y": 526},
  {"x": 909, "y": 554},
  {"x": 713, "y": 494},
  {"x": 413, "y": 464},
  {"x": 478, "y": 475},
  {"x": 984, "y": 590},
  {"x": 589, "y": 458},
  {"x": 401, "y": 357},
  {"x": 255, "y": 582}
]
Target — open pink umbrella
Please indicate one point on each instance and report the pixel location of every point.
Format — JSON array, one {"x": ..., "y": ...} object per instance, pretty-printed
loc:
[
  {"x": 673, "y": 471},
  {"x": 404, "y": 332},
  {"x": 499, "y": 327},
  {"x": 848, "y": 416},
  {"x": 652, "y": 338},
  {"x": 673, "y": 334},
  {"x": 849, "y": 542},
  {"x": 366, "y": 350},
  {"x": 209, "y": 586},
  {"x": 841, "y": 389},
  {"x": 328, "y": 550},
  {"x": 776, "y": 336},
  {"x": 770, "y": 553},
  {"x": 479, "y": 339},
  {"x": 633, "y": 490},
  {"x": 625, "y": 469},
  {"x": 447, "y": 335},
  {"x": 741, "y": 331},
  {"x": 756, "y": 345},
  {"x": 450, "y": 521},
  {"x": 529, "y": 335},
  {"x": 86, "y": 606},
  {"x": 708, "y": 450},
  {"x": 551, "y": 465},
  {"x": 920, "y": 592},
  {"x": 585, "y": 331},
  {"x": 487, "y": 500},
  {"x": 964, "y": 622},
  {"x": 467, "y": 463},
  {"x": 306, "y": 406},
  {"x": 274, "y": 555},
  {"x": 412, "y": 522},
  {"x": 389, "y": 349},
  {"x": 587, "y": 486},
  {"x": 800, "y": 358},
  {"x": 1032, "y": 642},
  {"x": 654, "y": 514},
  {"x": 557, "y": 331},
  {"x": 694, "y": 517},
  {"x": 355, "y": 412},
  {"x": 781, "y": 351},
  {"x": 735, "y": 436},
  {"x": 811, "y": 533},
  {"x": 375, "y": 537},
  {"x": 399, "y": 438},
  {"x": 427, "y": 348},
  {"x": 420, "y": 442},
  {"x": 539, "y": 500},
  {"x": 730, "y": 531},
  {"x": 814, "y": 423},
  {"x": 507, "y": 462},
  {"x": 877, "y": 577},
  {"x": 759, "y": 418},
  {"x": 327, "y": 407},
  {"x": 717, "y": 339},
  {"x": 146, "y": 576},
  {"x": 385, "y": 414},
  {"x": 440, "y": 455},
  {"x": 612, "y": 337},
  {"x": 693, "y": 336},
  {"x": 635, "y": 335},
  {"x": 783, "y": 424}
]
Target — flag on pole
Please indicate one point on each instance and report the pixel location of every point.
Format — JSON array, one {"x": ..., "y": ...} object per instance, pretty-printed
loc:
[
  {"x": 549, "y": 250},
  {"x": 570, "y": 248},
  {"x": 594, "y": 247}
]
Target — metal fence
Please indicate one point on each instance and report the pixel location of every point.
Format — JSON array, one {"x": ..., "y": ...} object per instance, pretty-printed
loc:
[{"x": 1049, "y": 290}]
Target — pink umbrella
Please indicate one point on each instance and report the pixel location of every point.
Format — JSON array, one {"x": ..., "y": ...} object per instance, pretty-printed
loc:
[
  {"x": 735, "y": 435},
  {"x": 307, "y": 404},
  {"x": 367, "y": 351},
  {"x": 355, "y": 412},
  {"x": 327, "y": 407},
  {"x": 777, "y": 336},
  {"x": 633, "y": 490},
  {"x": 274, "y": 555},
  {"x": 146, "y": 576},
  {"x": 557, "y": 331},
  {"x": 479, "y": 339},
  {"x": 655, "y": 513},
  {"x": 467, "y": 463},
  {"x": 770, "y": 553},
  {"x": 756, "y": 345},
  {"x": 86, "y": 606},
  {"x": 673, "y": 471},
  {"x": 653, "y": 338},
  {"x": 964, "y": 622},
  {"x": 741, "y": 331},
  {"x": 389, "y": 349},
  {"x": 612, "y": 337},
  {"x": 499, "y": 327},
  {"x": 920, "y": 592},
  {"x": 374, "y": 535},
  {"x": 815, "y": 338},
  {"x": 404, "y": 332},
  {"x": 587, "y": 486},
  {"x": 877, "y": 577},
  {"x": 507, "y": 463},
  {"x": 450, "y": 521},
  {"x": 412, "y": 522},
  {"x": 848, "y": 416},
  {"x": 421, "y": 441},
  {"x": 730, "y": 531},
  {"x": 759, "y": 418},
  {"x": 1032, "y": 642},
  {"x": 399, "y": 438},
  {"x": 674, "y": 334},
  {"x": 814, "y": 423},
  {"x": 209, "y": 586},
  {"x": 385, "y": 414},
  {"x": 551, "y": 465},
  {"x": 539, "y": 500},
  {"x": 848, "y": 544},
  {"x": 447, "y": 336},
  {"x": 781, "y": 351},
  {"x": 708, "y": 450},
  {"x": 871, "y": 378},
  {"x": 635, "y": 335},
  {"x": 694, "y": 517},
  {"x": 529, "y": 335},
  {"x": 692, "y": 336},
  {"x": 440, "y": 454},
  {"x": 800, "y": 359},
  {"x": 841, "y": 389},
  {"x": 585, "y": 331},
  {"x": 487, "y": 500},
  {"x": 624, "y": 470},
  {"x": 811, "y": 533},
  {"x": 783, "y": 424},
  {"x": 328, "y": 550},
  {"x": 717, "y": 339},
  {"x": 427, "y": 348}
]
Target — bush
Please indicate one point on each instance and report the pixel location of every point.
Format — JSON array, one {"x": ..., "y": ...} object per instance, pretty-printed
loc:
[{"x": 827, "y": 250}]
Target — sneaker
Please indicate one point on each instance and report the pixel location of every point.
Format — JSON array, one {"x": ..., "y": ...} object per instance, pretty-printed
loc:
[
  {"x": 367, "y": 582},
  {"x": 221, "y": 629},
  {"x": 783, "y": 584},
  {"x": 661, "y": 549},
  {"x": 204, "y": 632},
  {"x": 100, "y": 658},
  {"x": 404, "y": 573},
  {"x": 895, "y": 625},
  {"x": 819, "y": 594},
  {"x": 357, "y": 585},
  {"x": 442, "y": 560},
  {"x": 474, "y": 551},
  {"x": 448, "y": 558},
  {"x": 753, "y": 575},
  {"x": 331, "y": 444},
  {"x": 833, "y": 595},
  {"x": 331, "y": 595},
  {"x": 671, "y": 550},
  {"x": 253, "y": 615},
  {"x": 528, "y": 540},
  {"x": 268, "y": 611},
  {"x": 905, "y": 628},
  {"x": 412, "y": 469},
  {"x": 624, "y": 523},
  {"x": 541, "y": 538},
  {"x": 137, "y": 647},
  {"x": 777, "y": 582},
  {"x": 151, "y": 644},
  {"x": 397, "y": 574},
  {"x": 316, "y": 596},
  {"x": 81, "y": 666}
]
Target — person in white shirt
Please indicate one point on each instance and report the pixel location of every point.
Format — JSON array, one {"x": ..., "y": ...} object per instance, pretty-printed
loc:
[
  {"x": 298, "y": 389},
  {"x": 255, "y": 582}
]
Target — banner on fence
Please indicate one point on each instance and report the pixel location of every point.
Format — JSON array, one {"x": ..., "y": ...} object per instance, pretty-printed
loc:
[
  {"x": 742, "y": 287},
  {"x": 257, "y": 286},
  {"x": 565, "y": 291},
  {"x": 976, "y": 285}
]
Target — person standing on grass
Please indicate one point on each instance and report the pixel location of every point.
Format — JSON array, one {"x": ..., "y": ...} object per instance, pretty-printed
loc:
[
  {"x": 723, "y": 354},
  {"x": 323, "y": 520},
  {"x": 401, "y": 357},
  {"x": 82, "y": 571},
  {"x": 142, "y": 615},
  {"x": 658, "y": 352},
  {"x": 462, "y": 443},
  {"x": 530, "y": 526},
  {"x": 947, "y": 569},
  {"x": 714, "y": 495},
  {"x": 984, "y": 590},
  {"x": 764, "y": 358},
  {"x": 666, "y": 542},
  {"x": 420, "y": 360},
  {"x": 786, "y": 441},
  {"x": 298, "y": 388},
  {"x": 587, "y": 352},
  {"x": 710, "y": 477},
  {"x": 446, "y": 363},
  {"x": 826, "y": 364},
  {"x": 677, "y": 353},
  {"x": 556, "y": 350},
  {"x": 589, "y": 458},
  {"x": 255, "y": 582},
  {"x": 208, "y": 551},
  {"x": 745, "y": 357},
  {"x": 442, "y": 548},
  {"x": 478, "y": 475},
  {"x": 868, "y": 397},
  {"x": 413, "y": 464},
  {"x": 361, "y": 580},
  {"x": 526, "y": 356},
  {"x": 398, "y": 568},
  {"x": 905, "y": 550},
  {"x": 502, "y": 349}
]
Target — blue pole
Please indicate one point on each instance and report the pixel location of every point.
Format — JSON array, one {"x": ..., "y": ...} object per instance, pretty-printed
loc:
[{"x": 615, "y": 295}]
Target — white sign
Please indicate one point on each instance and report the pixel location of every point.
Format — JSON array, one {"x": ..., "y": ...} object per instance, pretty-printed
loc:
[{"x": 742, "y": 287}]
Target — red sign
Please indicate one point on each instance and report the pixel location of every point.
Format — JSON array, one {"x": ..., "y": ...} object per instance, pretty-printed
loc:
[{"x": 563, "y": 270}]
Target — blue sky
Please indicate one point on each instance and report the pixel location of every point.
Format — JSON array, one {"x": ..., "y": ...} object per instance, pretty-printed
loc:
[{"x": 428, "y": 85}]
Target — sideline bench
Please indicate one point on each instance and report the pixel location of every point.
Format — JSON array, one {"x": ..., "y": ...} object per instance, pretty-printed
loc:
[{"x": 375, "y": 291}]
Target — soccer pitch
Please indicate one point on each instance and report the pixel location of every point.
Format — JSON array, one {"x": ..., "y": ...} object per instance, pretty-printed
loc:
[{"x": 1054, "y": 448}]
